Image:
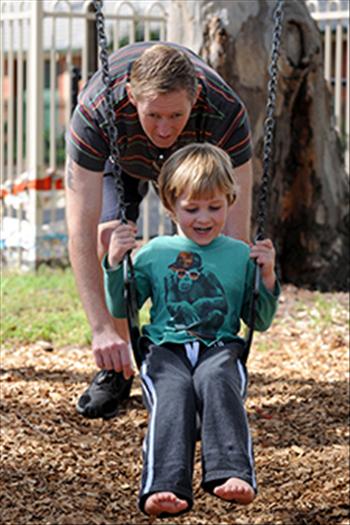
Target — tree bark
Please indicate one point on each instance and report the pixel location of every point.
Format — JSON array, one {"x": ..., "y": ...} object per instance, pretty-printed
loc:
[{"x": 308, "y": 213}]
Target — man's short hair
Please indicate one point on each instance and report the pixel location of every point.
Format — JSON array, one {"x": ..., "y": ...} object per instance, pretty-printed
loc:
[
  {"x": 200, "y": 168},
  {"x": 163, "y": 69}
]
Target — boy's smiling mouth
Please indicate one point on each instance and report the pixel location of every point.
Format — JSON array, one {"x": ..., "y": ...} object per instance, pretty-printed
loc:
[{"x": 201, "y": 229}]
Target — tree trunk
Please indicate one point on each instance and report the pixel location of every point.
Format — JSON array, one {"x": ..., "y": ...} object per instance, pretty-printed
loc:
[{"x": 308, "y": 214}]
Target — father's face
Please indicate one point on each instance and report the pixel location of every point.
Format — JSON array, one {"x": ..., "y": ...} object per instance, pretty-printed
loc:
[{"x": 164, "y": 116}]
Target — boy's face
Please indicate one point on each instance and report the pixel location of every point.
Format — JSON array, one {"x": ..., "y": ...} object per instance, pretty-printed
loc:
[
  {"x": 202, "y": 219},
  {"x": 164, "y": 116}
]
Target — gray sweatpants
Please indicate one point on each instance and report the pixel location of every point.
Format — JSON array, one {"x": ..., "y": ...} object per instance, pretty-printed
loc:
[{"x": 178, "y": 384}]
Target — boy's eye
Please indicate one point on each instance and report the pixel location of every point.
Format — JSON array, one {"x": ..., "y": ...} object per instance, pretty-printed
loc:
[
  {"x": 214, "y": 208},
  {"x": 191, "y": 210}
]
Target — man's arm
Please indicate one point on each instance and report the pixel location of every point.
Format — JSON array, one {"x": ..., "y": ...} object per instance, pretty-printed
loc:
[
  {"x": 83, "y": 207},
  {"x": 238, "y": 222}
]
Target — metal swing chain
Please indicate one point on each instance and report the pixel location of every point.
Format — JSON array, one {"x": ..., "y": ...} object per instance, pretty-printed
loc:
[
  {"x": 269, "y": 123},
  {"x": 112, "y": 131}
]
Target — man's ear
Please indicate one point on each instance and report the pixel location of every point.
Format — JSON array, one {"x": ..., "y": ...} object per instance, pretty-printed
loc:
[{"x": 130, "y": 94}]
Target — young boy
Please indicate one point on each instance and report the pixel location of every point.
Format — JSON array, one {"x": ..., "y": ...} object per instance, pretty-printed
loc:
[{"x": 200, "y": 285}]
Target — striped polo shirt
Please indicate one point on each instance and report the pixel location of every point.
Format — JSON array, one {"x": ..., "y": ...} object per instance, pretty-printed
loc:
[{"x": 218, "y": 117}]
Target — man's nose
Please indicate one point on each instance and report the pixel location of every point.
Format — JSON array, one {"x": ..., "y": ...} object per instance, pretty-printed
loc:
[{"x": 163, "y": 127}]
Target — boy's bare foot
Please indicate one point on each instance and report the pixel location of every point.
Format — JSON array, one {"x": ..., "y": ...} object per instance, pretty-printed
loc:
[
  {"x": 164, "y": 502},
  {"x": 235, "y": 489}
]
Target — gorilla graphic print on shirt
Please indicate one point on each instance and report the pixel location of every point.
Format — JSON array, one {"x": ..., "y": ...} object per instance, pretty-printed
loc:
[{"x": 194, "y": 296}]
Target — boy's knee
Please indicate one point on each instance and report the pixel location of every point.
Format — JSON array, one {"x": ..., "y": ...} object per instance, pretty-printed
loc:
[
  {"x": 211, "y": 380},
  {"x": 180, "y": 386},
  {"x": 206, "y": 379}
]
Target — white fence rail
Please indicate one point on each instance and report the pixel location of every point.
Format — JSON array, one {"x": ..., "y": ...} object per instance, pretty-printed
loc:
[{"x": 46, "y": 46}]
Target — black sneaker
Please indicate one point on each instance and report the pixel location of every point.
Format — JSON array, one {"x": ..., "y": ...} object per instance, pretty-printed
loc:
[{"x": 103, "y": 396}]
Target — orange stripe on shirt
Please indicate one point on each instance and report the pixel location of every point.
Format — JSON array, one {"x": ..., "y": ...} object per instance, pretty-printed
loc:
[
  {"x": 87, "y": 146},
  {"x": 231, "y": 128}
]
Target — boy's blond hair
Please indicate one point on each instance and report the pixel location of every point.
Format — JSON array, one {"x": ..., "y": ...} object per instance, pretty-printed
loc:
[
  {"x": 163, "y": 69},
  {"x": 200, "y": 169}
]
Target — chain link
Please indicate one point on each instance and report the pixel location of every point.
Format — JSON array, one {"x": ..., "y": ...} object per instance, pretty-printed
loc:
[
  {"x": 269, "y": 124},
  {"x": 112, "y": 131}
]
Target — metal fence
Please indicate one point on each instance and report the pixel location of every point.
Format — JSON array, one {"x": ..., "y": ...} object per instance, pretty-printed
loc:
[
  {"x": 333, "y": 19},
  {"x": 48, "y": 51}
]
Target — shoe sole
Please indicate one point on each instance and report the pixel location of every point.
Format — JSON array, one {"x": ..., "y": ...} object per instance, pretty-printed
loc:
[{"x": 82, "y": 412}]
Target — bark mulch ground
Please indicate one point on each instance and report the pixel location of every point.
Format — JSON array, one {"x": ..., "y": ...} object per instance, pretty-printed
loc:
[{"x": 59, "y": 468}]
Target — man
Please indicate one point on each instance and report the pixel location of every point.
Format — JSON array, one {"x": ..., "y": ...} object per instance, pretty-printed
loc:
[{"x": 164, "y": 98}]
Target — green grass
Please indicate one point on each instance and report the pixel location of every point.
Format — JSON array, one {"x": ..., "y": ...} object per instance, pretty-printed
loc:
[
  {"x": 323, "y": 312},
  {"x": 42, "y": 306}
]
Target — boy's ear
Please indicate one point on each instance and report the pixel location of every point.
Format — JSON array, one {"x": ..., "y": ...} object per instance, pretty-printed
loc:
[
  {"x": 171, "y": 214},
  {"x": 130, "y": 94}
]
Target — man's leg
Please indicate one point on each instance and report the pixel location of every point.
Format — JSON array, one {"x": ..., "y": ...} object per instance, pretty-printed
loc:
[{"x": 109, "y": 388}]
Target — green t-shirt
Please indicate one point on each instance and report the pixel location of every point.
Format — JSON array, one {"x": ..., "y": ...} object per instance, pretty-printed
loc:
[{"x": 196, "y": 292}]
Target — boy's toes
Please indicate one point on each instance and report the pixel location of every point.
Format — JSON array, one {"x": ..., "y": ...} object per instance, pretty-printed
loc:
[
  {"x": 164, "y": 502},
  {"x": 235, "y": 489}
]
